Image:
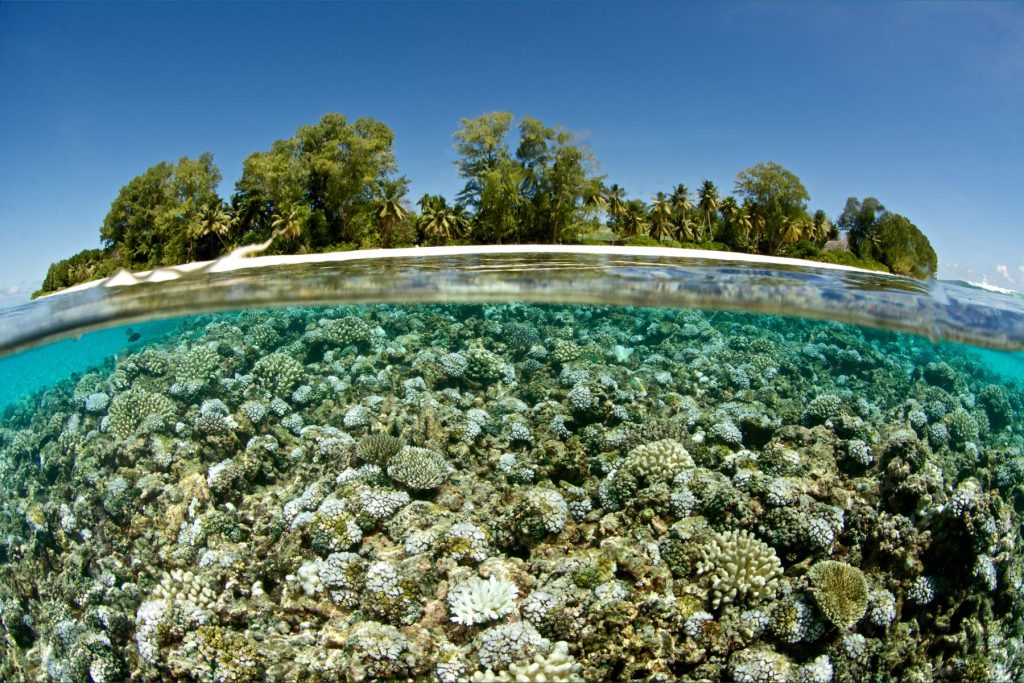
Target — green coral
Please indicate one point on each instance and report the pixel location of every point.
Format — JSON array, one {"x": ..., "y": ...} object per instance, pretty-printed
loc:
[
  {"x": 347, "y": 331},
  {"x": 841, "y": 592},
  {"x": 378, "y": 449}
]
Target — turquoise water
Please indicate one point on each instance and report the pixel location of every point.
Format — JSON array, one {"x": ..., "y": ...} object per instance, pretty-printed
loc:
[
  {"x": 41, "y": 367},
  {"x": 441, "y": 491},
  {"x": 547, "y": 479}
]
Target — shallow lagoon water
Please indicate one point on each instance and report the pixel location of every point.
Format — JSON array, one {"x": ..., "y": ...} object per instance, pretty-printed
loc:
[{"x": 498, "y": 489}]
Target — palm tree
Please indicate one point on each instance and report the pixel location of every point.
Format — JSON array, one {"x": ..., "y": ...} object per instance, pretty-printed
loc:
[
  {"x": 686, "y": 229},
  {"x": 792, "y": 229},
  {"x": 728, "y": 208},
  {"x": 634, "y": 218},
  {"x": 211, "y": 220},
  {"x": 287, "y": 225},
  {"x": 389, "y": 212},
  {"x": 615, "y": 199},
  {"x": 822, "y": 227},
  {"x": 217, "y": 221},
  {"x": 680, "y": 200},
  {"x": 593, "y": 199},
  {"x": 462, "y": 222},
  {"x": 757, "y": 226},
  {"x": 708, "y": 202},
  {"x": 437, "y": 221},
  {"x": 660, "y": 216},
  {"x": 743, "y": 224},
  {"x": 428, "y": 200}
]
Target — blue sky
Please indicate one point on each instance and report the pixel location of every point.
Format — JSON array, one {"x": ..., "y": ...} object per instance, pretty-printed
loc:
[{"x": 918, "y": 104}]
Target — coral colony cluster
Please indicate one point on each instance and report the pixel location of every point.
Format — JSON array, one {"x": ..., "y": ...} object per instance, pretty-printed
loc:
[{"x": 516, "y": 493}]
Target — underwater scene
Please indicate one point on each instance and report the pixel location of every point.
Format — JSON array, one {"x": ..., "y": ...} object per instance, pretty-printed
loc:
[{"x": 515, "y": 492}]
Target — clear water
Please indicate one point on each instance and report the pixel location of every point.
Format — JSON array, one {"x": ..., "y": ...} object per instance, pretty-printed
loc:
[{"x": 572, "y": 483}]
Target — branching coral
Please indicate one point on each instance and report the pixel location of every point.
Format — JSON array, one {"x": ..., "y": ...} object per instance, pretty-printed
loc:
[
  {"x": 739, "y": 567},
  {"x": 478, "y": 601}
]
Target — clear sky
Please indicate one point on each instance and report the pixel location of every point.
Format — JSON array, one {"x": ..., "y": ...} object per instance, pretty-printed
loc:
[{"x": 918, "y": 104}]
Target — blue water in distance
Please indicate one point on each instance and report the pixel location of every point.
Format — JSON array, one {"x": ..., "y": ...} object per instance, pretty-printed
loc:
[{"x": 27, "y": 372}]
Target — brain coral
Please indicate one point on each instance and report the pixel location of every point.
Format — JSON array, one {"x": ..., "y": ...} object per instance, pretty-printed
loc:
[
  {"x": 841, "y": 592},
  {"x": 739, "y": 566},
  {"x": 658, "y": 461},
  {"x": 419, "y": 468}
]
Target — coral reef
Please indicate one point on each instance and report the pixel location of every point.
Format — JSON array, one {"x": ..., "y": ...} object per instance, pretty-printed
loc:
[{"x": 513, "y": 492}]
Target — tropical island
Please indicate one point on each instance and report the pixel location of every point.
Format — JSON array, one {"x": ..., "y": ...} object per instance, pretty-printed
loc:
[{"x": 335, "y": 186}]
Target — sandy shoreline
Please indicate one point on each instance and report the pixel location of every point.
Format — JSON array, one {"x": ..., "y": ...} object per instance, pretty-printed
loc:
[{"x": 236, "y": 261}]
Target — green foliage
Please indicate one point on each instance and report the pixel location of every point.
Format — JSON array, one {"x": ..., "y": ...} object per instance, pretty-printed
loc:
[
  {"x": 802, "y": 249},
  {"x": 157, "y": 218},
  {"x": 777, "y": 198},
  {"x": 859, "y": 219},
  {"x": 845, "y": 258},
  {"x": 642, "y": 241},
  {"x": 333, "y": 186},
  {"x": 542, "y": 193},
  {"x": 482, "y": 148},
  {"x": 887, "y": 237},
  {"x": 706, "y": 246},
  {"x": 86, "y": 265},
  {"x": 903, "y": 247},
  {"x": 332, "y": 172}
]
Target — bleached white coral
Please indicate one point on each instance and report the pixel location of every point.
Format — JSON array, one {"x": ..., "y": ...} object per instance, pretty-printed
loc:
[
  {"x": 549, "y": 507},
  {"x": 309, "y": 577},
  {"x": 381, "y": 503},
  {"x": 556, "y": 666},
  {"x": 478, "y": 600},
  {"x": 760, "y": 665}
]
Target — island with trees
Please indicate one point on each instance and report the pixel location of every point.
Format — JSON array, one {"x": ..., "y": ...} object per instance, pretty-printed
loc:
[{"x": 335, "y": 185}]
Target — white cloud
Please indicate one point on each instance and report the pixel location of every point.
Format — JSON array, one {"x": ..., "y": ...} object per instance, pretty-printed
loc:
[{"x": 1004, "y": 271}]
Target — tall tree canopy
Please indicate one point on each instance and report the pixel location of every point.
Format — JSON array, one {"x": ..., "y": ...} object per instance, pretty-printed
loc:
[
  {"x": 860, "y": 219},
  {"x": 904, "y": 248},
  {"x": 887, "y": 237},
  {"x": 776, "y": 196},
  {"x": 334, "y": 171},
  {"x": 335, "y": 184},
  {"x": 541, "y": 192},
  {"x": 158, "y": 217}
]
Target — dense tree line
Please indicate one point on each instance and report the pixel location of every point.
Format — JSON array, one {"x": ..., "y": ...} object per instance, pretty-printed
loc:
[{"x": 335, "y": 185}]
